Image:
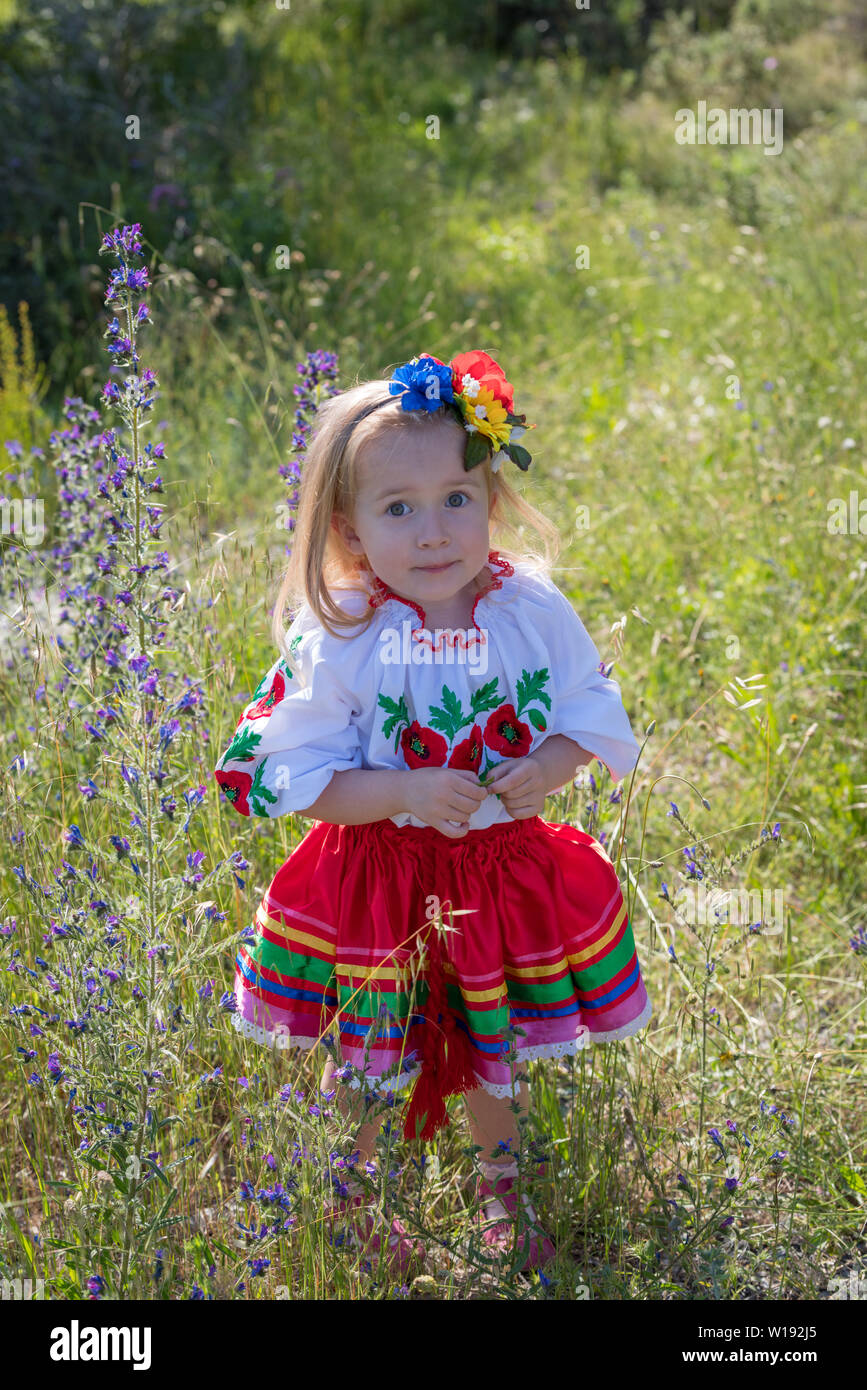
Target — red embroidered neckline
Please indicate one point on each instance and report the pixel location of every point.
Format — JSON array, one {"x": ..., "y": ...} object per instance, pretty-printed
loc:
[{"x": 382, "y": 593}]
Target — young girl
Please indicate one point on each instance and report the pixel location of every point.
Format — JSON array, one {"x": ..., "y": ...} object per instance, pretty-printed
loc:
[{"x": 431, "y": 693}]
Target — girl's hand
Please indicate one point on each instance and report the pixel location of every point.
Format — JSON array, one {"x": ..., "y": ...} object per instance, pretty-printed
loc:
[
  {"x": 520, "y": 786},
  {"x": 444, "y": 797}
]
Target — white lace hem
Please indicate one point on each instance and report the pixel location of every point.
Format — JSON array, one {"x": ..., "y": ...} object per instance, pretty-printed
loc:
[
  {"x": 278, "y": 1037},
  {"x": 281, "y": 1038},
  {"x": 544, "y": 1051},
  {"x": 389, "y": 1085}
]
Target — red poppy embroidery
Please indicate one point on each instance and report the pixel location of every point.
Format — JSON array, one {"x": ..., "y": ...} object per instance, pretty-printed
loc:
[
  {"x": 507, "y": 734},
  {"x": 423, "y": 747},
  {"x": 275, "y": 694},
  {"x": 236, "y": 785},
  {"x": 428, "y": 745},
  {"x": 468, "y": 753},
  {"x": 245, "y": 740},
  {"x": 247, "y": 794}
]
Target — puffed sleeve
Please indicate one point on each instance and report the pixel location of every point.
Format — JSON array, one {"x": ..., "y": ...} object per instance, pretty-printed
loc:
[
  {"x": 587, "y": 706},
  {"x": 298, "y": 729}
]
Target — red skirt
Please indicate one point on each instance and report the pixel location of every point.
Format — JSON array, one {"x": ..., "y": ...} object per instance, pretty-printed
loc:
[{"x": 431, "y": 957}]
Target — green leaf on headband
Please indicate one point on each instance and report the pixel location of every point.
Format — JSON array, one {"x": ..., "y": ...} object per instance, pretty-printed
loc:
[
  {"x": 476, "y": 451},
  {"x": 518, "y": 455},
  {"x": 515, "y": 419}
]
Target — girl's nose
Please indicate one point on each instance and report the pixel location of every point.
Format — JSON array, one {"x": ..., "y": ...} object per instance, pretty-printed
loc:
[{"x": 431, "y": 530}]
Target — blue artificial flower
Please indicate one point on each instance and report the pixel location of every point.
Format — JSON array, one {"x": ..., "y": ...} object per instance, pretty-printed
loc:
[{"x": 422, "y": 383}]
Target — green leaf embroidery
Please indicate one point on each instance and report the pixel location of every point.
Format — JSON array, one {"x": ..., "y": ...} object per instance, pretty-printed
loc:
[
  {"x": 450, "y": 718},
  {"x": 487, "y": 697},
  {"x": 529, "y": 688},
  {"x": 243, "y": 746},
  {"x": 398, "y": 716},
  {"x": 259, "y": 794},
  {"x": 264, "y": 684},
  {"x": 267, "y": 681}
]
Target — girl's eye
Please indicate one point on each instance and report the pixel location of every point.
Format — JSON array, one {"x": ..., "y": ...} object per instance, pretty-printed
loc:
[{"x": 389, "y": 512}]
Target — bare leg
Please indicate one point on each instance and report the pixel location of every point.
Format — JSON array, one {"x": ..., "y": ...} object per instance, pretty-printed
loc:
[
  {"x": 491, "y": 1120},
  {"x": 351, "y": 1106},
  {"x": 392, "y": 1237}
]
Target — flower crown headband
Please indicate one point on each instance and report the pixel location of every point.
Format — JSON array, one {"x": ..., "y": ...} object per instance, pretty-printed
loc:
[{"x": 474, "y": 386}]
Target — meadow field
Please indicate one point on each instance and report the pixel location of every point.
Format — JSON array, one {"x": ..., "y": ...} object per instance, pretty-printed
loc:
[{"x": 686, "y": 323}]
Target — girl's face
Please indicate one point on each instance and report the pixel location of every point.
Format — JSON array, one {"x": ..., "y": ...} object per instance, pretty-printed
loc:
[{"x": 417, "y": 508}]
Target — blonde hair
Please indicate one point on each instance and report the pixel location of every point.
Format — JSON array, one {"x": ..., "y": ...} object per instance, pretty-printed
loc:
[{"x": 320, "y": 559}]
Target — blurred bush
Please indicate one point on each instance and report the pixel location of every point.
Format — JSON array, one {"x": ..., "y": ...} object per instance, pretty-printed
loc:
[
  {"x": 608, "y": 36},
  {"x": 308, "y": 128},
  {"x": 802, "y": 54},
  {"x": 22, "y": 383},
  {"x": 73, "y": 74},
  {"x": 789, "y": 53}
]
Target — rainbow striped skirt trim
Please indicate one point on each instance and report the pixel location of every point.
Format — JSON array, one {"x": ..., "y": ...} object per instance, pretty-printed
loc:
[{"x": 525, "y": 921}]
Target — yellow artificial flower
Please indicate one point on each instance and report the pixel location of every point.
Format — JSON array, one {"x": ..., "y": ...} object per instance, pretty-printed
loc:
[{"x": 485, "y": 414}]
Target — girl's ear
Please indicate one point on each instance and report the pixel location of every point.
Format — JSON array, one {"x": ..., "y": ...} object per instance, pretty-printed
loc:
[{"x": 348, "y": 536}]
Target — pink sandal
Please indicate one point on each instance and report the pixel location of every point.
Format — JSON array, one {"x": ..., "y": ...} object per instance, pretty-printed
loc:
[
  {"x": 499, "y": 1235},
  {"x": 364, "y": 1233}
]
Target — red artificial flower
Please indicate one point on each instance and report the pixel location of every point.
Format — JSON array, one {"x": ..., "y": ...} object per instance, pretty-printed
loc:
[
  {"x": 486, "y": 371},
  {"x": 236, "y": 785},
  {"x": 423, "y": 747},
  {"x": 468, "y": 753},
  {"x": 506, "y": 734}
]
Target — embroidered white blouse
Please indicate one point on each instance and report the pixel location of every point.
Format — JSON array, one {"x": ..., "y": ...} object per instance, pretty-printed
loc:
[{"x": 398, "y": 696}]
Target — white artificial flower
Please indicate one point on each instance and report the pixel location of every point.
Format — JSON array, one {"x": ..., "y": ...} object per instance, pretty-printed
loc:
[
  {"x": 498, "y": 460},
  {"x": 469, "y": 386}
]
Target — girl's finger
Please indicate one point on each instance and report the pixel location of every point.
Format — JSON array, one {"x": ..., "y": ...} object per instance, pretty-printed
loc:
[
  {"x": 501, "y": 770},
  {"x": 511, "y": 785}
]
